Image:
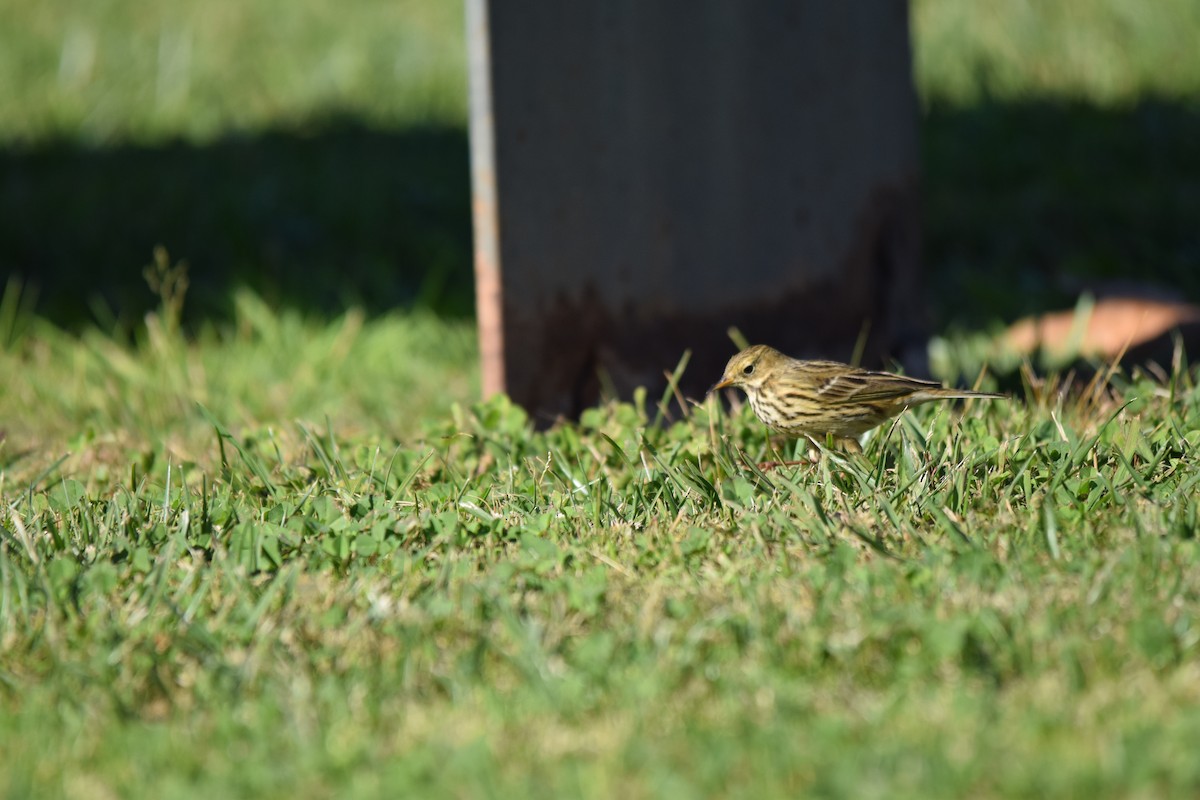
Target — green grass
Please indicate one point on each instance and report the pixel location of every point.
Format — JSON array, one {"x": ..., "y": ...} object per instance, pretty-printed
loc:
[
  {"x": 257, "y": 538},
  {"x": 997, "y": 603},
  {"x": 1109, "y": 53},
  {"x": 121, "y": 72},
  {"x": 259, "y": 141},
  {"x": 92, "y": 391}
]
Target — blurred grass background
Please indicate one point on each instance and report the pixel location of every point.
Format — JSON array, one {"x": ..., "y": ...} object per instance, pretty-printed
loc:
[
  {"x": 316, "y": 153},
  {"x": 1107, "y": 53}
]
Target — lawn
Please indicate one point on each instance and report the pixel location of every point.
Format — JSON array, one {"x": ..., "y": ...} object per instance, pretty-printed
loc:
[{"x": 260, "y": 539}]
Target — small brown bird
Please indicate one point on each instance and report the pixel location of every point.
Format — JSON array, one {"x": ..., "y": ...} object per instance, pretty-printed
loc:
[{"x": 821, "y": 399}]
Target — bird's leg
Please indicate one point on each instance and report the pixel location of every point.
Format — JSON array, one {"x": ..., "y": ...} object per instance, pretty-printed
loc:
[
  {"x": 811, "y": 457},
  {"x": 850, "y": 446},
  {"x": 766, "y": 465},
  {"x": 816, "y": 449}
]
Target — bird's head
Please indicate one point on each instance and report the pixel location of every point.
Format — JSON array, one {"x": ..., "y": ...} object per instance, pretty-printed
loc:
[{"x": 750, "y": 368}]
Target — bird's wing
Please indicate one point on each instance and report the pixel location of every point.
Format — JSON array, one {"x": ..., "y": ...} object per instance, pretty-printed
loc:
[{"x": 835, "y": 384}]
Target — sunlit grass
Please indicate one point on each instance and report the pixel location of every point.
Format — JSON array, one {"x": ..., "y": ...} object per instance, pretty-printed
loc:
[
  {"x": 125, "y": 71},
  {"x": 94, "y": 399},
  {"x": 1102, "y": 52},
  {"x": 300, "y": 605}
]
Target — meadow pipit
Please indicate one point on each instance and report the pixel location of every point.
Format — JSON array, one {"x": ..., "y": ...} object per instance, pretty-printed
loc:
[{"x": 822, "y": 399}]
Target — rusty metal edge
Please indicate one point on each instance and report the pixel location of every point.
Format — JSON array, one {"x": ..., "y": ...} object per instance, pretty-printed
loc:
[{"x": 484, "y": 211}]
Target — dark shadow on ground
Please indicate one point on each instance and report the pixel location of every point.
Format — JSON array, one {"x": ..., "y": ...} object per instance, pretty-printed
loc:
[
  {"x": 1025, "y": 204},
  {"x": 321, "y": 218}
]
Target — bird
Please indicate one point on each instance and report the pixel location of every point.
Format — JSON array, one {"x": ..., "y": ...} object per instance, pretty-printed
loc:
[{"x": 820, "y": 400}]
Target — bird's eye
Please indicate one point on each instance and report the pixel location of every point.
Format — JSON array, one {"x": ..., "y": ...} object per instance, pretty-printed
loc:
[{"x": 748, "y": 369}]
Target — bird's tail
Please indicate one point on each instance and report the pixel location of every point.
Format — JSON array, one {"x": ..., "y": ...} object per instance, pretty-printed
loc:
[{"x": 928, "y": 395}]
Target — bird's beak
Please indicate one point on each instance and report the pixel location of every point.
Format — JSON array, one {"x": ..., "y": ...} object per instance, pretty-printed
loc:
[{"x": 725, "y": 382}]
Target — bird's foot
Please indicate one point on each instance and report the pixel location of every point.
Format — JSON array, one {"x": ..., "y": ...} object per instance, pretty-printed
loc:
[{"x": 767, "y": 465}]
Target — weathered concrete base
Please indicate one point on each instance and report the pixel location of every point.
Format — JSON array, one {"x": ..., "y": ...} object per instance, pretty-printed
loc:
[
  {"x": 577, "y": 345},
  {"x": 649, "y": 174}
]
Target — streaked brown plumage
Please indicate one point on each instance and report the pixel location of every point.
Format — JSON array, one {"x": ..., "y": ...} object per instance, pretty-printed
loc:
[{"x": 819, "y": 399}]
